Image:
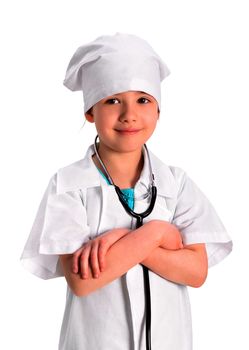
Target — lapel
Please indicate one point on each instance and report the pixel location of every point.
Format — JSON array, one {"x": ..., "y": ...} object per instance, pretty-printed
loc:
[{"x": 83, "y": 174}]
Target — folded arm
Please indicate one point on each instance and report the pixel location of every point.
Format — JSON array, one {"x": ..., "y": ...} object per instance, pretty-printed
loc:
[
  {"x": 188, "y": 266},
  {"x": 125, "y": 253},
  {"x": 162, "y": 252}
]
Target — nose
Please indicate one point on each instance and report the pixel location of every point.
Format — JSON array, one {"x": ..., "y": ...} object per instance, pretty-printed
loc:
[{"x": 128, "y": 113}]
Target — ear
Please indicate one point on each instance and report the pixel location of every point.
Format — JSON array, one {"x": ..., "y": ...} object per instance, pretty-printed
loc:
[{"x": 89, "y": 116}]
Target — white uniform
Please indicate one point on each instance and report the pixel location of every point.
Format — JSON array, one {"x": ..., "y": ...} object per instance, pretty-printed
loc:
[{"x": 78, "y": 204}]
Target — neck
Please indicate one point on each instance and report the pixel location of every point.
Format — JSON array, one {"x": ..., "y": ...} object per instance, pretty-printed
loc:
[{"x": 124, "y": 167}]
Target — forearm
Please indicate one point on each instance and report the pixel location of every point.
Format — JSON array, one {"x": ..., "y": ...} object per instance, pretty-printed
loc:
[
  {"x": 186, "y": 266},
  {"x": 127, "y": 252}
]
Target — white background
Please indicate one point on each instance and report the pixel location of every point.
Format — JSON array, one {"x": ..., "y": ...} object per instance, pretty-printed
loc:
[{"x": 203, "y": 129}]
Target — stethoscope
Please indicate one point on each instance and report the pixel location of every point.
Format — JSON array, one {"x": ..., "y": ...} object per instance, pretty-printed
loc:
[{"x": 139, "y": 217}]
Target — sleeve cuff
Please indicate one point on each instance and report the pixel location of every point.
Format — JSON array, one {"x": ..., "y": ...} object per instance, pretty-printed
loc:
[
  {"x": 44, "y": 263},
  {"x": 218, "y": 244},
  {"x": 49, "y": 247}
]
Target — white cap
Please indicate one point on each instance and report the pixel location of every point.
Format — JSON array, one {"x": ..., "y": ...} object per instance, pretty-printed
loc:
[{"x": 112, "y": 64}]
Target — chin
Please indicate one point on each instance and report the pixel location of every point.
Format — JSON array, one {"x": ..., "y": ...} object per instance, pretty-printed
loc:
[
  {"x": 126, "y": 148},
  {"x": 126, "y": 145}
]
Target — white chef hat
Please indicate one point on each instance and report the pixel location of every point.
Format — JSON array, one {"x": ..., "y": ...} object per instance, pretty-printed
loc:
[{"x": 112, "y": 64}]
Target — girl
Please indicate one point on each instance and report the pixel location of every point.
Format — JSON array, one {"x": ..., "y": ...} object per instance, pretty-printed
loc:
[{"x": 82, "y": 231}]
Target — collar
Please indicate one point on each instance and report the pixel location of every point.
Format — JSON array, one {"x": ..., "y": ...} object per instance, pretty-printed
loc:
[{"x": 83, "y": 174}]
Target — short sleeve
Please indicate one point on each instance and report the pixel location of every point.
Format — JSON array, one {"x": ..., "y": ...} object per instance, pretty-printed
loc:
[
  {"x": 60, "y": 227},
  {"x": 198, "y": 222}
]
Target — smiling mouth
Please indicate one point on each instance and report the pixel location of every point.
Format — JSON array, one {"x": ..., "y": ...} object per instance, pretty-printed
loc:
[{"x": 127, "y": 131}]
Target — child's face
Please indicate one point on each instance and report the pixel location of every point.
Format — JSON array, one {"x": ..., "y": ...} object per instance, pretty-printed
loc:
[{"x": 124, "y": 121}]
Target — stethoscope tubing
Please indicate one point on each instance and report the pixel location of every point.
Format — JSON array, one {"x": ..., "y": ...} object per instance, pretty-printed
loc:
[{"x": 139, "y": 217}]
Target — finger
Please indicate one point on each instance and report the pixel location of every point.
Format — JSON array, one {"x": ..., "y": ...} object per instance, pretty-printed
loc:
[
  {"x": 75, "y": 261},
  {"x": 101, "y": 255},
  {"x": 84, "y": 261},
  {"x": 94, "y": 259}
]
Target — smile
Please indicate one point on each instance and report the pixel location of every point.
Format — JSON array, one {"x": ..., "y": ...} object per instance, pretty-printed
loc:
[{"x": 127, "y": 131}]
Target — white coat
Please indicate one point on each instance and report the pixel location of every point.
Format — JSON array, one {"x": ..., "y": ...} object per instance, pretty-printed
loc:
[{"x": 77, "y": 205}]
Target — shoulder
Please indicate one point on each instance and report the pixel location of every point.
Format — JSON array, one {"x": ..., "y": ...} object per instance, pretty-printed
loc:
[
  {"x": 80, "y": 174},
  {"x": 160, "y": 165},
  {"x": 168, "y": 177},
  {"x": 71, "y": 170}
]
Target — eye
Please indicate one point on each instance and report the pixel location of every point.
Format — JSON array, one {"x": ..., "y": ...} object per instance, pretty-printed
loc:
[
  {"x": 111, "y": 101},
  {"x": 143, "y": 100}
]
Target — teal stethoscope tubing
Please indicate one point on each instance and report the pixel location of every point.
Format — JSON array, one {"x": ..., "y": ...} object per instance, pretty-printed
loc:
[{"x": 139, "y": 217}]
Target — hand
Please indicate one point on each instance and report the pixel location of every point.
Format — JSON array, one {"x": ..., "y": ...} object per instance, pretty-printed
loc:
[
  {"x": 171, "y": 236},
  {"x": 94, "y": 252}
]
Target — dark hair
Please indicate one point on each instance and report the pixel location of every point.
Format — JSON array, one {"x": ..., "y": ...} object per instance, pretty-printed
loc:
[{"x": 89, "y": 110}]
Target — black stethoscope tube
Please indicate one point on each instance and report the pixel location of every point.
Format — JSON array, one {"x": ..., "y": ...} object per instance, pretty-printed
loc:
[{"x": 139, "y": 217}]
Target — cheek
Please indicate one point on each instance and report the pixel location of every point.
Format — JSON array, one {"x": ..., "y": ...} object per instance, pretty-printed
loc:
[
  {"x": 151, "y": 120},
  {"x": 153, "y": 127},
  {"x": 103, "y": 125}
]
